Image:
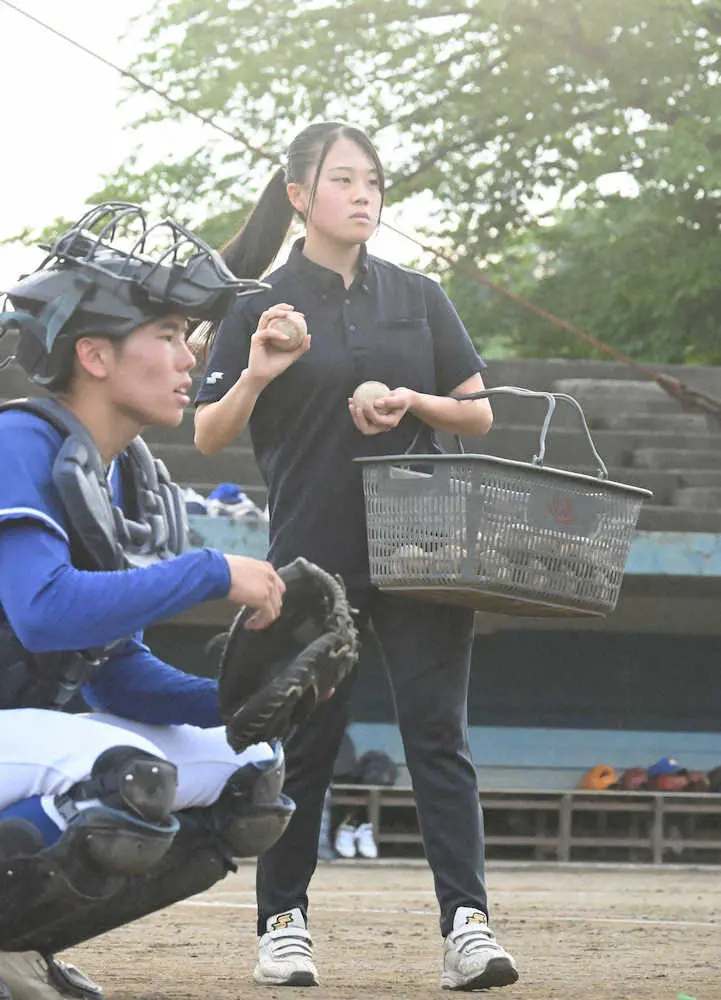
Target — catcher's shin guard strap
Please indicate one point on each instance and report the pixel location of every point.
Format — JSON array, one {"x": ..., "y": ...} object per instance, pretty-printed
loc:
[{"x": 194, "y": 862}]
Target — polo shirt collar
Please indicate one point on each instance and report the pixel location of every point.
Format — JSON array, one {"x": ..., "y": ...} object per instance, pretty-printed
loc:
[{"x": 323, "y": 277}]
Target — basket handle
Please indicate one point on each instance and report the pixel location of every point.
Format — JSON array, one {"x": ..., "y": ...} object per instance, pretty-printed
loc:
[{"x": 550, "y": 398}]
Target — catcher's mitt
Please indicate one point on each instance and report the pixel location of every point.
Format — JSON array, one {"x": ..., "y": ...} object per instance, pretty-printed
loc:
[{"x": 272, "y": 679}]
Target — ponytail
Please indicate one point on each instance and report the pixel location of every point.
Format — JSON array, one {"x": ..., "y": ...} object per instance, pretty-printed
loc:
[{"x": 253, "y": 249}]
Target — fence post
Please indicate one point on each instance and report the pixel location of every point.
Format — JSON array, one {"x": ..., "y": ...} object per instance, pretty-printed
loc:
[
  {"x": 564, "y": 828},
  {"x": 657, "y": 830}
]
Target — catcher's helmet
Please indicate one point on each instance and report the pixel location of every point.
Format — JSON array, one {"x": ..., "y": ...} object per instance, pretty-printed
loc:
[{"x": 109, "y": 273}]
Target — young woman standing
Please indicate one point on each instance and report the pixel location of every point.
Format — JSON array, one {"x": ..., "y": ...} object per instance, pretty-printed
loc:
[{"x": 369, "y": 320}]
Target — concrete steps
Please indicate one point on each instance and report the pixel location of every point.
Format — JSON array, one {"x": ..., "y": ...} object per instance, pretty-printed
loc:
[
  {"x": 186, "y": 464},
  {"x": 641, "y": 433},
  {"x": 680, "y": 423},
  {"x": 683, "y": 519},
  {"x": 676, "y": 458},
  {"x": 568, "y": 448},
  {"x": 698, "y": 498},
  {"x": 599, "y": 396}
]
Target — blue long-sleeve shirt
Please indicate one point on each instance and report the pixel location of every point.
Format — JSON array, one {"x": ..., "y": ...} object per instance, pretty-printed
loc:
[{"x": 51, "y": 605}]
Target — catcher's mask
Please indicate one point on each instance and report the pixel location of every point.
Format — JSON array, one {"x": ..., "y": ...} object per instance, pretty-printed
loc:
[{"x": 108, "y": 274}]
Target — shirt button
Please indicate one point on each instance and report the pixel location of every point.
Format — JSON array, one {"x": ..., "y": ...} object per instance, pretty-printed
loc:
[
  {"x": 352, "y": 328},
  {"x": 347, "y": 302}
]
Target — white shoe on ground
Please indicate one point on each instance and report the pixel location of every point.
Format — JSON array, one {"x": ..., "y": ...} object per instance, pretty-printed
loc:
[
  {"x": 345, "y": 841},
  {"x": 472, "y": 958},
  {"x": 365, "y": 841},
  {"x": 285, "y": 952}
]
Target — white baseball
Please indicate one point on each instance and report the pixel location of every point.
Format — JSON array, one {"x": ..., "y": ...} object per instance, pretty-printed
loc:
[
  {"x": 293, "y": 326},
  {"x": 368, "y": 391},
  {"x": 409, "y": 561}
]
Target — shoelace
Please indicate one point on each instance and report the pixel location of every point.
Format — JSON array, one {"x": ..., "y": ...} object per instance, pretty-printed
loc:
[
  {"x": 291, "y": 941},
  {"x": 472, "y": 938}
]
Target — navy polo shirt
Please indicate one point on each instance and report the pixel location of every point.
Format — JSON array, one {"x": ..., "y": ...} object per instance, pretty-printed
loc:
[{"x": 393, "y": 325}]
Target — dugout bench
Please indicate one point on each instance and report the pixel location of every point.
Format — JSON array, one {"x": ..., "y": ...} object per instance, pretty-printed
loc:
[{"x": 573, "y": 825}]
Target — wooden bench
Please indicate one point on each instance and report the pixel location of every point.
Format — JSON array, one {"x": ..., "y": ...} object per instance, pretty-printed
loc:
[{"x": 564, "y": 825}]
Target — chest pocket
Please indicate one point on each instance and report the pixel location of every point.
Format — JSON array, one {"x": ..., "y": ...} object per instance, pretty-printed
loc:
[{"x": 405, "y": 353}]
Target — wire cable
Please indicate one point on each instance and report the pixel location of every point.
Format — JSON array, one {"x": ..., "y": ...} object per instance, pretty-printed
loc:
[{"x": 174, "y": 102}]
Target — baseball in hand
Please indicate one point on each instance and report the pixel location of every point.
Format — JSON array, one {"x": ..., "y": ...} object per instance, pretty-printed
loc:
[
  {"x": 368, "y": 391},
  {"x": 293, "y": 326}
]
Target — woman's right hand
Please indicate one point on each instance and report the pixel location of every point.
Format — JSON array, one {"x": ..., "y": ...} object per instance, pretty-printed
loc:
[
  {"x": 265, "y": 361},
  {"x": 256, "y": 584}
]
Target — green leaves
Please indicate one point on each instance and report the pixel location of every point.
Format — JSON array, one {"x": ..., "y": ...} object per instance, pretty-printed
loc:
[{"x": 513, "y": 114}]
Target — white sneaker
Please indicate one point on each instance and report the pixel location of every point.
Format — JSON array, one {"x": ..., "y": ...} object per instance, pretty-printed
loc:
[
  {"x": 365, "y": 841},
  {"x": 285, "y": 952},
  {"x": 345, "y": 841},
  {"x": 472, "y": 958}
]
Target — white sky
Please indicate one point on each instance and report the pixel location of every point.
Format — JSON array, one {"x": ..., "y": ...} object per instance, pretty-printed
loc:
[{"x": 61, "y": 124}]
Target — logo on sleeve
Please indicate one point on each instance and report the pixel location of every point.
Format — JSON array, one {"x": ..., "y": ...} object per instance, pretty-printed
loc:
[{"x": 214, "y": 377}]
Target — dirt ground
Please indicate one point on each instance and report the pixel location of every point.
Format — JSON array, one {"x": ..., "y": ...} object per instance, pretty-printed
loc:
[{"x": 580, "y": 933}]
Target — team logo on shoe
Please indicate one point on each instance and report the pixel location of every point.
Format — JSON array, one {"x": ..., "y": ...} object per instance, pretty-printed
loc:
[
  {"x": 477, "y": 917},
  {"x": 282, "y": 921}
]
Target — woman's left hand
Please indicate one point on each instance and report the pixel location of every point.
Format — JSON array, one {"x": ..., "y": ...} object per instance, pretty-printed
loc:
[{"x": 382, "y": 414}]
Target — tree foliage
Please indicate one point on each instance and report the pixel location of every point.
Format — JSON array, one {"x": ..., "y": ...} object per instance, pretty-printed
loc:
[{"x": 511, "y": 113}]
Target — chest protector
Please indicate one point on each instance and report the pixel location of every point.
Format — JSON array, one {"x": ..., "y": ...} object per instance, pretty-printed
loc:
[{"x": 151, "y": 526}]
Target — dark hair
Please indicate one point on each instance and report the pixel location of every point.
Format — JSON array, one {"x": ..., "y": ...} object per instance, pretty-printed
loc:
[{"x": 252, "y": 250}]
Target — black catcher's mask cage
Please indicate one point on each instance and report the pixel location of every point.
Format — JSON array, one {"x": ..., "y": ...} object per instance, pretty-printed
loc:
[{"x": 109, "y": 273}]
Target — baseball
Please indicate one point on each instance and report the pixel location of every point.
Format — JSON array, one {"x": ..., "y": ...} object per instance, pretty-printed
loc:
[
  {"x": 409, "y": 561},
  {"x": 368, "y": 391},
  {"x": 293, "y": 326}
]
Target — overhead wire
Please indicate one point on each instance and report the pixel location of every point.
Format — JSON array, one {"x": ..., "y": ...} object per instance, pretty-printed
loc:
[
  {"x": 689, "y": 398},
  {"x": 151, "y": 88}
]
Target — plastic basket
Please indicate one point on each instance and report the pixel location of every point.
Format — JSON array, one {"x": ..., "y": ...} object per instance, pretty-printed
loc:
[{"x": 500, "y": 535}]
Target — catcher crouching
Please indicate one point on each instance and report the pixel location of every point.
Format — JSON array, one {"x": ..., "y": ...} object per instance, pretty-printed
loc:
[{"x": 111, "y": 814}]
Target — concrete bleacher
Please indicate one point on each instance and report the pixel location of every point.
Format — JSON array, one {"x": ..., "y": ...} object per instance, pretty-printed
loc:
[{"x": 643, "y": 435}]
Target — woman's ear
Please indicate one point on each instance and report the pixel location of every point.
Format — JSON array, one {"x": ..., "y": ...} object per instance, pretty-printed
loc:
[{"x": 298, "y": 197}]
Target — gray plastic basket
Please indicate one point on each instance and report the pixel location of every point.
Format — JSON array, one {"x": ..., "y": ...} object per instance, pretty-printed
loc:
[{"x": 500, "y": 535}]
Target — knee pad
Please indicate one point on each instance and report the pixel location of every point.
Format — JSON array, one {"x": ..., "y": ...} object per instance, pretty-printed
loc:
[
  {"x": 252, "y": 812},
  {"x": 120, "y": 817},
  {"x": 127, "y": 778}
]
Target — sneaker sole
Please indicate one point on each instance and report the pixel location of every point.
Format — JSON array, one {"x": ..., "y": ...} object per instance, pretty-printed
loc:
[
  {"x": 296, "y": 979},
  {"x": 498, "y": 972}
]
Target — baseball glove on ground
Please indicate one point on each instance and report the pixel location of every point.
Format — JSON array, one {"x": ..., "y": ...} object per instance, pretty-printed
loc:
[{"x": 272, "y": 679}]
